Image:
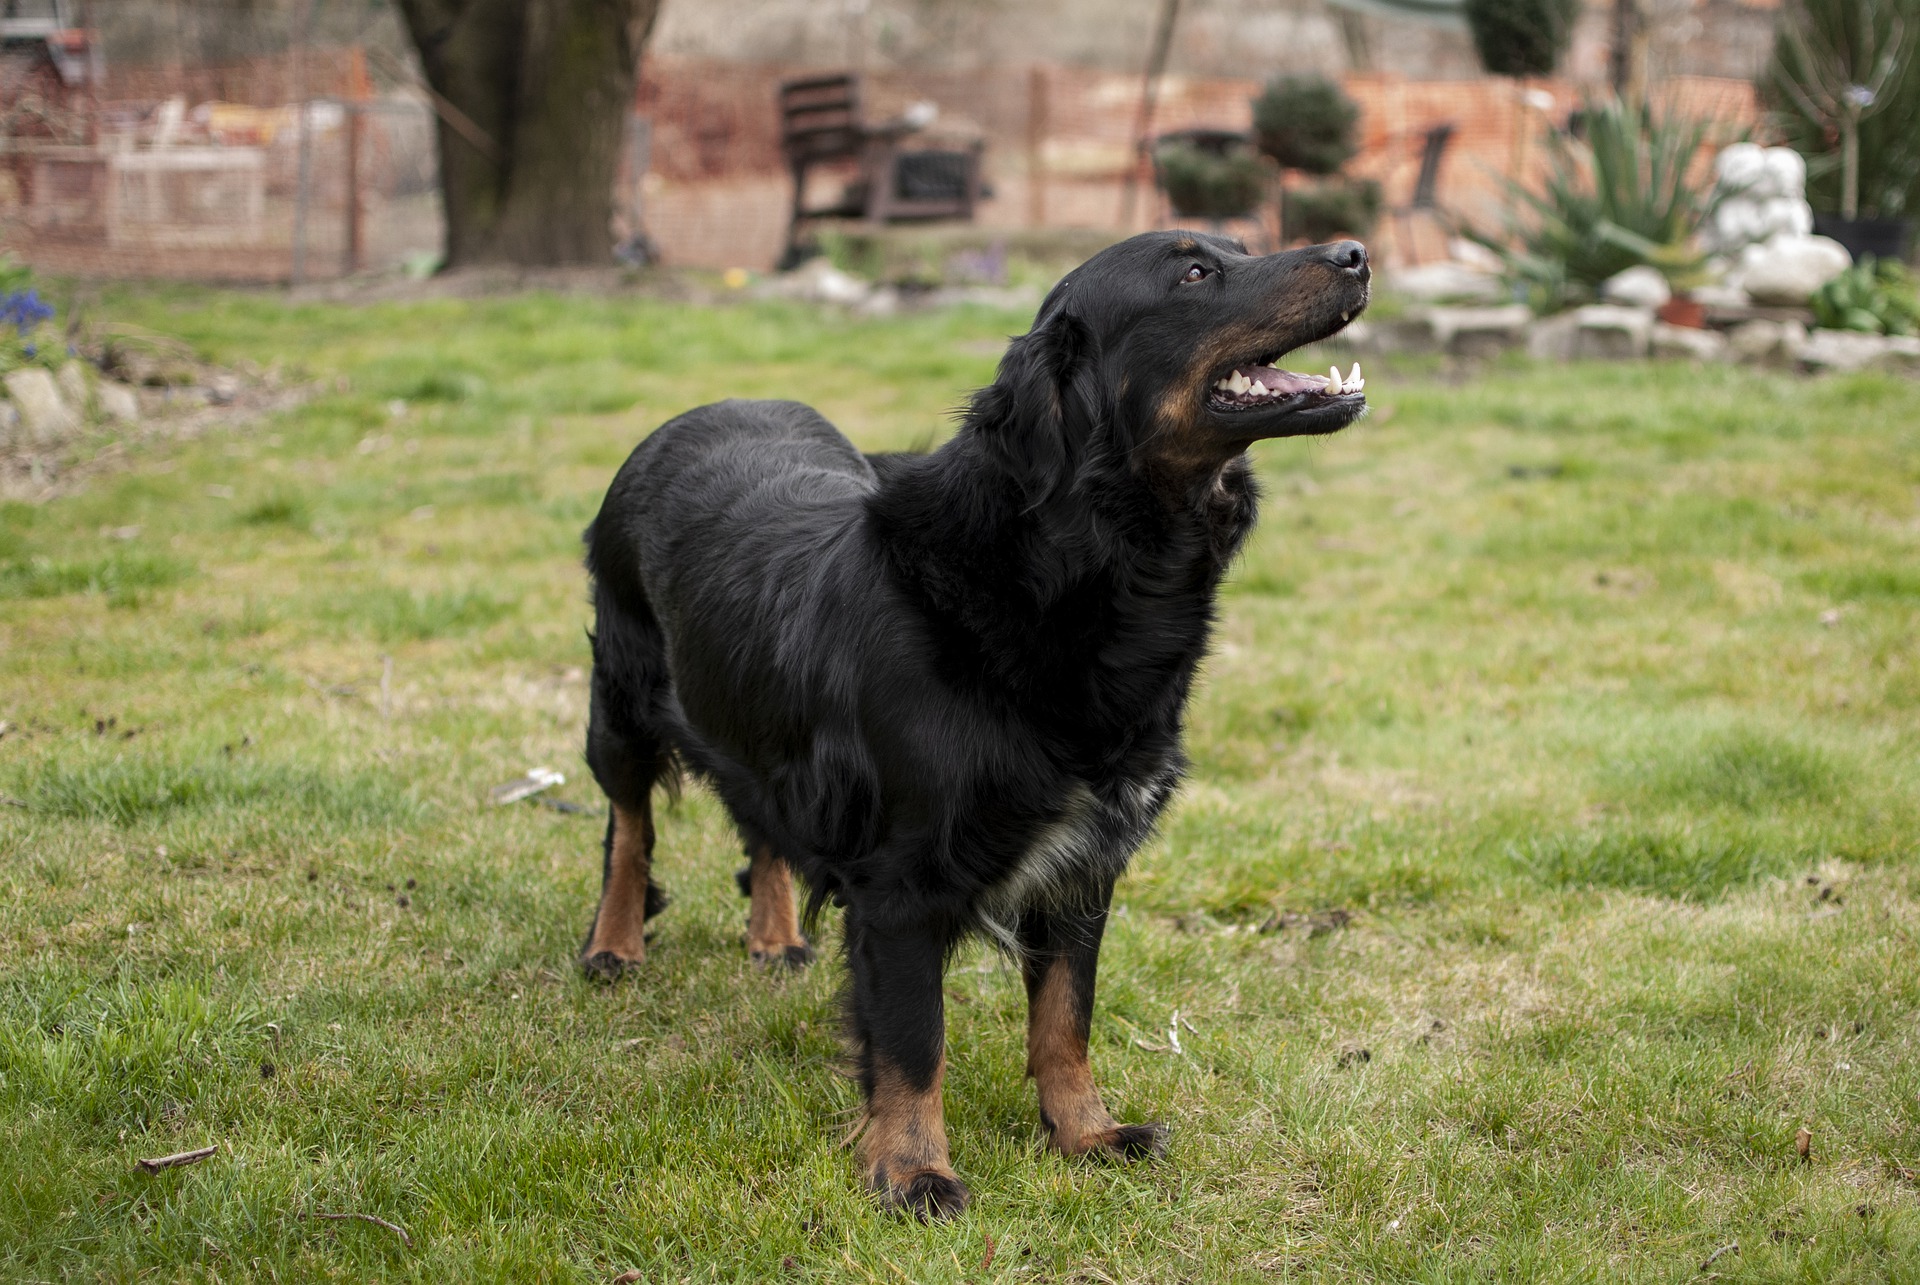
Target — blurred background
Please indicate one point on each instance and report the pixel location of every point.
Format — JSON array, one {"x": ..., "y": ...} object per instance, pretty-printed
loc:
[{"x": 268, "y": 140}]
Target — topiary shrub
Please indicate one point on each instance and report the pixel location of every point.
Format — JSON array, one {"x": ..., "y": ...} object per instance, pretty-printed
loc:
[
  {"x": 1306, "y": 123},
  {"x": 1324, "y": 211},
  {"x": 1208, "y": 184},
  {"x": 1521, "y": 37}
]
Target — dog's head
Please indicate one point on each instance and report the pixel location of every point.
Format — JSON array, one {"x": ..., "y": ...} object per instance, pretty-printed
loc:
[{"x": 1163, "y": 351}]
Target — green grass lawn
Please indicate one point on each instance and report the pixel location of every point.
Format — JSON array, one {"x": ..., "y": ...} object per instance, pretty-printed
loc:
[{"x": 1551, "y": 857}]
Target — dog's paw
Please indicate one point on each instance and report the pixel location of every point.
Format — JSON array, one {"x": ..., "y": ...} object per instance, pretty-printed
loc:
[
  {"x": 1126, "y": 1142},
  {"x": 1137, "y": 1142},
  {"x": 606, "y": 966},
  {"x": 928, "y": 1194},
  {"x": 793, "y": 957}
]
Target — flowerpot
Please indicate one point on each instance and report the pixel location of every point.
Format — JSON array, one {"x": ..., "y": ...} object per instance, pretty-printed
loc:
[
  {"x": 1683, "y": 311},
  {"x": 1881, "y": 238}
]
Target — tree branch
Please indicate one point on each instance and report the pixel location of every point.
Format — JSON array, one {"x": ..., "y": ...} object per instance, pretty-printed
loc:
[
  {"x": 461, "y": 123},
  {"x": 395, "y": 1228},
  {"x": 178, "y": 1158}
]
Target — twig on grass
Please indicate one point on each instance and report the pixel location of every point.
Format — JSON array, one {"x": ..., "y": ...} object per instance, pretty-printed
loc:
[
  {"x": 627, "y": 1277},
  {"x": 178, "y": 1158},
  {"x": 395, "y": 1228},
  {"x": 1731, "y": 1247}
]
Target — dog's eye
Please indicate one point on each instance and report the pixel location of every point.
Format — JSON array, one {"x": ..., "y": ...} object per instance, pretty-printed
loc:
[{"x": 1198, "y": 272}]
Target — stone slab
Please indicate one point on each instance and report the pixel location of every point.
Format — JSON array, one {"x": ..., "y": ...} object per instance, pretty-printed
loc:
[{"x": 45, "y": 417}]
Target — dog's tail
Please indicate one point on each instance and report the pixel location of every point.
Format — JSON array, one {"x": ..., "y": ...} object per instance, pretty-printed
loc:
[{"x": 628, "y": 743}]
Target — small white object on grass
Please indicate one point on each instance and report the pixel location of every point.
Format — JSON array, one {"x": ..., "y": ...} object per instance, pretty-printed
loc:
[{"x": 536, "y": 780}]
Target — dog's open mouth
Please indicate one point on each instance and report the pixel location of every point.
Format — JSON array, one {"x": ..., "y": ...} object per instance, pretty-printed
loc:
[{"x": 1265, "y": 386}]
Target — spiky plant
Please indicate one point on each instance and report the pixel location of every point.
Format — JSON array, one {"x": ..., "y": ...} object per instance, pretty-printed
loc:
[
  {"x": 1621, "y": 196},
  {"x": 1844, "y": 85}
]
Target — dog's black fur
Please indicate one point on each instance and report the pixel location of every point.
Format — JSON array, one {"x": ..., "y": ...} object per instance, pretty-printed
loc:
[{"x": 947, "y": 689}]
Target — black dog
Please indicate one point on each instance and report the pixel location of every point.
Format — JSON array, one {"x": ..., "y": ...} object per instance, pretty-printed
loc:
[{"x": 947, "y": 689}]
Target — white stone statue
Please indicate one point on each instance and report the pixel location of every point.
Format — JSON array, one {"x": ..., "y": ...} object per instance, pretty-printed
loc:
[
  {"x": 1761, "y": 233},
  {"x": 1762, "y": 192}
]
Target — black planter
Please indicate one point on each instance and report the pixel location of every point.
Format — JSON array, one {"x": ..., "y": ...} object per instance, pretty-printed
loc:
[{"x": 1881, "y": 238}]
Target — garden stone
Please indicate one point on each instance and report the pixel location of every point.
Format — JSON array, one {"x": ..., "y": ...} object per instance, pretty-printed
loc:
[
  {"x": 1640, "y": 286},
  {"x": 1793, "y": 337},
  {"x": 74, "y": 390},
  {"x": 1765, "y": 341},
  {"x": 1757, "y": 340},
  {"x": 44, "y": 415},
  {"x": 816, "y": 281},
  {"x": 117, "y": 401},
  {"x": 1721, "y": 296},
  {"x": 1471, "y": 254},
  {"x": 881, "y": 301},
  {"x": 1398, "y": 334},
  {"x": 9, "y": 424},
  {"x": 1474, "y": 332},
  {"x": 1552, "y": 338},
  {"x": 1688, "y": 343},
  {"x": 1612, "y": 332},
  {"x": 1447, "y": 283},
  {"x": 1786, "y": 270},
  {"x": 1844, "y": 350}
]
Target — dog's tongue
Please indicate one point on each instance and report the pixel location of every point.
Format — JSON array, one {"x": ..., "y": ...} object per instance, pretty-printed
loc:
[{"x": 1283, "y": 382}]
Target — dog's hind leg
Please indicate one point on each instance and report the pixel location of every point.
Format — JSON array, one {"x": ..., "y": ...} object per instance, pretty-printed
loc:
[
  {"x": 773, "y": 918},
  {"x": 1060, "y": 951},
  {"x": 899, "y": 1028},
  {"x": 627, "y": 755}
]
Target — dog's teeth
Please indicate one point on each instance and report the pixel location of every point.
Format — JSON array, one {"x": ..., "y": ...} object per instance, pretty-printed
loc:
[
  {"x": 1240, "y": 383},
  {"x": 1224, "y": 385},
  {"x": 1353, "y": 376},
  {"x": 1344, "y": 315},
  {"x": 1333, "y": 381}
]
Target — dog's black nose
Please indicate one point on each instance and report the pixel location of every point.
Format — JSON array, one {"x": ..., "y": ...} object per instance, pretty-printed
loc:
[{"x": 1350, "y": 255}]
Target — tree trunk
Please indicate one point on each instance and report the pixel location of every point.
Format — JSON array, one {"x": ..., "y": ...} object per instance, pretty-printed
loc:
[{"x": 532, "y": 105}]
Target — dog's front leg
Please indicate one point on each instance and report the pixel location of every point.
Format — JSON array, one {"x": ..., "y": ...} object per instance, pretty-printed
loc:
[
  {"x": 617, "y": 939},
  {"x": 899, "y": 1024},
  {"x": 1060, "y": 954}
]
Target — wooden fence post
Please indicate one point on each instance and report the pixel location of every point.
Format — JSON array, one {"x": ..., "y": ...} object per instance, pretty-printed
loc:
[{"x": 358, "y": 91}]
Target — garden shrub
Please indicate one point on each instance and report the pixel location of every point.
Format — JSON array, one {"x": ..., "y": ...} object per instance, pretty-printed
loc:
[{"x": 1306, "y": 123}]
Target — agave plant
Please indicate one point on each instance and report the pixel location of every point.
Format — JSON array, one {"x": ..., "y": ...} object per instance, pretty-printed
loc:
[{"x": 1620, "y": 196}]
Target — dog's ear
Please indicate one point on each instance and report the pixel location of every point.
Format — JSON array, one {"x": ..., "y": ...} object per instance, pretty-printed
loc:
[{"x": 1028, "y": 416}]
